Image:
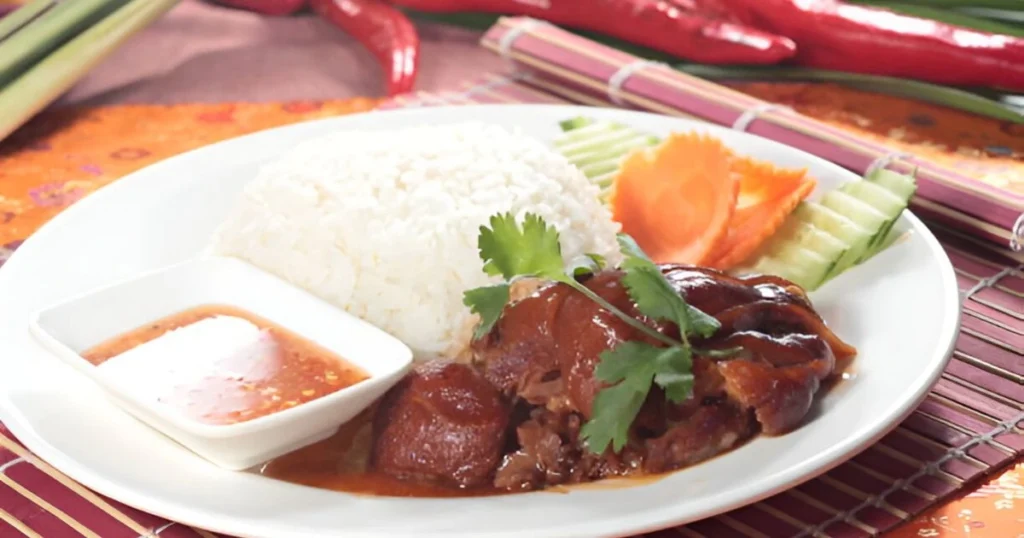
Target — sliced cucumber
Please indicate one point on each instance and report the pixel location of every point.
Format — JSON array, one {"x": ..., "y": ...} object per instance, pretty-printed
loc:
[
  {"x": 598, "y": 147},
  {"x": 813, "y": 266},
  {"x": 817, "y": 242},
  {"x": 903, "y": 187},
  {"x": 772, "y": 266},
  {"x": 814, "y": 238},
  {"x": 876, "y": 196},
  {"x": 604, "y": 145},
  {"x": 839, "y": 226},
  {"x": 575, "y": 123},
  {"x": 813, "y": 251},
  {"x": 866, "y": 216}
]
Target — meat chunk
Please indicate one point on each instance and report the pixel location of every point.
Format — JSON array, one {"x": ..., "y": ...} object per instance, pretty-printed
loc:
[
  {"x": 545, "y": 349},
  {"x": 550, "y": 453},
  {"x": 709, "y": 431},
  {"x": 517, "y": 356},
  {"x": 585, "y": 330},
  {"x": 788, "y": 353},
  {"x": 443, "y": 423}
]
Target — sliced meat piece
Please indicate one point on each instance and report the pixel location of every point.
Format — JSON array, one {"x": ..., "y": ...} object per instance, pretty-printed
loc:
[
  {"x": 709, "y": 431},
  {"x": 787, "y": 355},
  {"x": 550, "y": 453},
  {"x": 443, "y": 423},
  {"x": 543, "y": 457},
  {"x": 517, "y": 356},
  {"x": 585, "y": 330},
  {"x": 780, "y": 397},
  {"x": 712, "y": 291},
  {"x": 780, "y": 319}
]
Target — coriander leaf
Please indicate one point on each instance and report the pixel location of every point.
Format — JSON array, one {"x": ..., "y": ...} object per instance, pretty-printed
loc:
[
  {"x": 634, "y": 255},
  {"x": 674, "y": 373},
  {"x": 631, "y": 368},
  {"x": 656, "y": 298},
  {"x": 700, "y": 323},
  {"x": 489, "y": 302},
  {"x": 531, "y": 250},
  {"x": 619, "y": 363},
  {"x": 614, "y": 411}
]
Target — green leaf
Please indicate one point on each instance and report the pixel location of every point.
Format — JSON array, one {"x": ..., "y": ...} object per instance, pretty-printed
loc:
[
  {"x": 656, "y": 298},
  {"x": 49, "y": 31},
  {"x": 910, "y": 89},
  {"x": 631, "y": 368},
  {"x": 617, "y": 364},
  {"x": 635, "y": 256},
  {"x": 22, "y": 15},
  {"x": 615, "y": 408},
  {"x": 531, "y": 250},
  {"x": 994, "y": 4},
  {"x": 927, "y": 10},
  {"x": 488, "y": 302},
  {"x": 47, "y": 79},
  {"x": 674, "y": 373}
]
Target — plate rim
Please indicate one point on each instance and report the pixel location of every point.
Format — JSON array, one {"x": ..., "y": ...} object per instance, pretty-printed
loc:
[{"x": 657, "y": 518}]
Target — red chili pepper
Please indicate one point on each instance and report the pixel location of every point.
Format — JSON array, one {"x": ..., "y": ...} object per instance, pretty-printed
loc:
[
  {"x": 843, "y": 37},
  {"x": 267, "y": 7},
  {"x": 658, "y": 24},
  {"x": 382, "y": 29}
]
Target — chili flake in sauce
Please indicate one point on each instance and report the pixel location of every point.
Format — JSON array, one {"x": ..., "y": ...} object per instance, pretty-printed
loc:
[{"x": 281, "y": 371}]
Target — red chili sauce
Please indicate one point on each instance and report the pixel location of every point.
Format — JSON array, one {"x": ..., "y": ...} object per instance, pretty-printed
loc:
[{"x": 293, "y": 372}]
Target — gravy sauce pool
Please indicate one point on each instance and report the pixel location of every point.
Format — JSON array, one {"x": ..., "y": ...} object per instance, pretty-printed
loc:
[
  {"x": 283, "y": 371},
  {"x": 340, "y": 463}
]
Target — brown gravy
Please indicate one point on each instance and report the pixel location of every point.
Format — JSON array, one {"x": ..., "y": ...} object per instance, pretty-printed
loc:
[
  {"x": 288, "y": 371},
  {"x": 340, "y": 463}
]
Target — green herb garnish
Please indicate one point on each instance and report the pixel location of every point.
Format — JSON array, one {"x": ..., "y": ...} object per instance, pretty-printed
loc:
[{"x": 533, "y": 251}]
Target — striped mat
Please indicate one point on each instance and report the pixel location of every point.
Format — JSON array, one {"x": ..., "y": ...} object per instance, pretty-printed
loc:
[{"x": 970, "y": 425}]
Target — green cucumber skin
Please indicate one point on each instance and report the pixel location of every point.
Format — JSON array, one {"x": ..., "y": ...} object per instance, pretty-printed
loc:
[
  {"x": 575, "y": 123},
  {"x": 825, "y": 250}
]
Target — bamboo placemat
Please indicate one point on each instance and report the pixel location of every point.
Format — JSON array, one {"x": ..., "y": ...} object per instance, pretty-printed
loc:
[
  {"x": 585, "y": 71},
  {"x": 971, "y": 424}
]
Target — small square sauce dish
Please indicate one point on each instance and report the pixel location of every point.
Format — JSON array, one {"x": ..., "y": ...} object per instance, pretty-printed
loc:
[{"x": 232, "y": 362}]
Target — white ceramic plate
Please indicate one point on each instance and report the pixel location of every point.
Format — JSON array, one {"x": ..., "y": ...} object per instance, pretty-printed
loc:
[{"x": 901, "y": 310}]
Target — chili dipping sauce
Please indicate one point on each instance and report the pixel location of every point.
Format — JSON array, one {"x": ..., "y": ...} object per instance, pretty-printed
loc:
[{"x": 221, "y": 365}]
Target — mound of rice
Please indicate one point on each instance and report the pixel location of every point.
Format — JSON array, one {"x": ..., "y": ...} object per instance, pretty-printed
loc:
[{"x": 384, "y": 224}]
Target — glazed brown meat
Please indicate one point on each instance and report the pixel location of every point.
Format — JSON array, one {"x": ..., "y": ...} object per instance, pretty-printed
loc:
[
  {"x": 536, "y": 386},
  {"x": 443, "y": 423}
]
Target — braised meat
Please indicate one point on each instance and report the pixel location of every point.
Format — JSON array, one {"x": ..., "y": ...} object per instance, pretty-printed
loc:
[
  {"x": 443, "y": 423},
  {"x": 540, "y": 359}
]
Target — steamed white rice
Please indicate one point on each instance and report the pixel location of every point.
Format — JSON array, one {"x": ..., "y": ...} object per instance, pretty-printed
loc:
[{"x": 384, "y": 224}]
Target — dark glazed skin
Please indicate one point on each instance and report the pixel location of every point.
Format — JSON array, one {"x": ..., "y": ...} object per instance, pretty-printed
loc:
[
  {"x": 443, "y": 423},
  {"x": 511, "y": 421}
]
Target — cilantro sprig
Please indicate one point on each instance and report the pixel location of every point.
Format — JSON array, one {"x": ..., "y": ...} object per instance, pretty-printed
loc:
[{"x": 630, "y": 369}]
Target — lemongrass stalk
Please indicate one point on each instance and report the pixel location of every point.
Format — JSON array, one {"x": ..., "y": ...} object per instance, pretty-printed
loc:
[
  {"x": 912, "y": 89},
  {"x": 947, "y": 16},
  {"x": 1006, "y": 16},
  {"x": 48, "y": 79},
  {"x": 23, "y": 15},
  {"x": 51, "y": 30}
]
